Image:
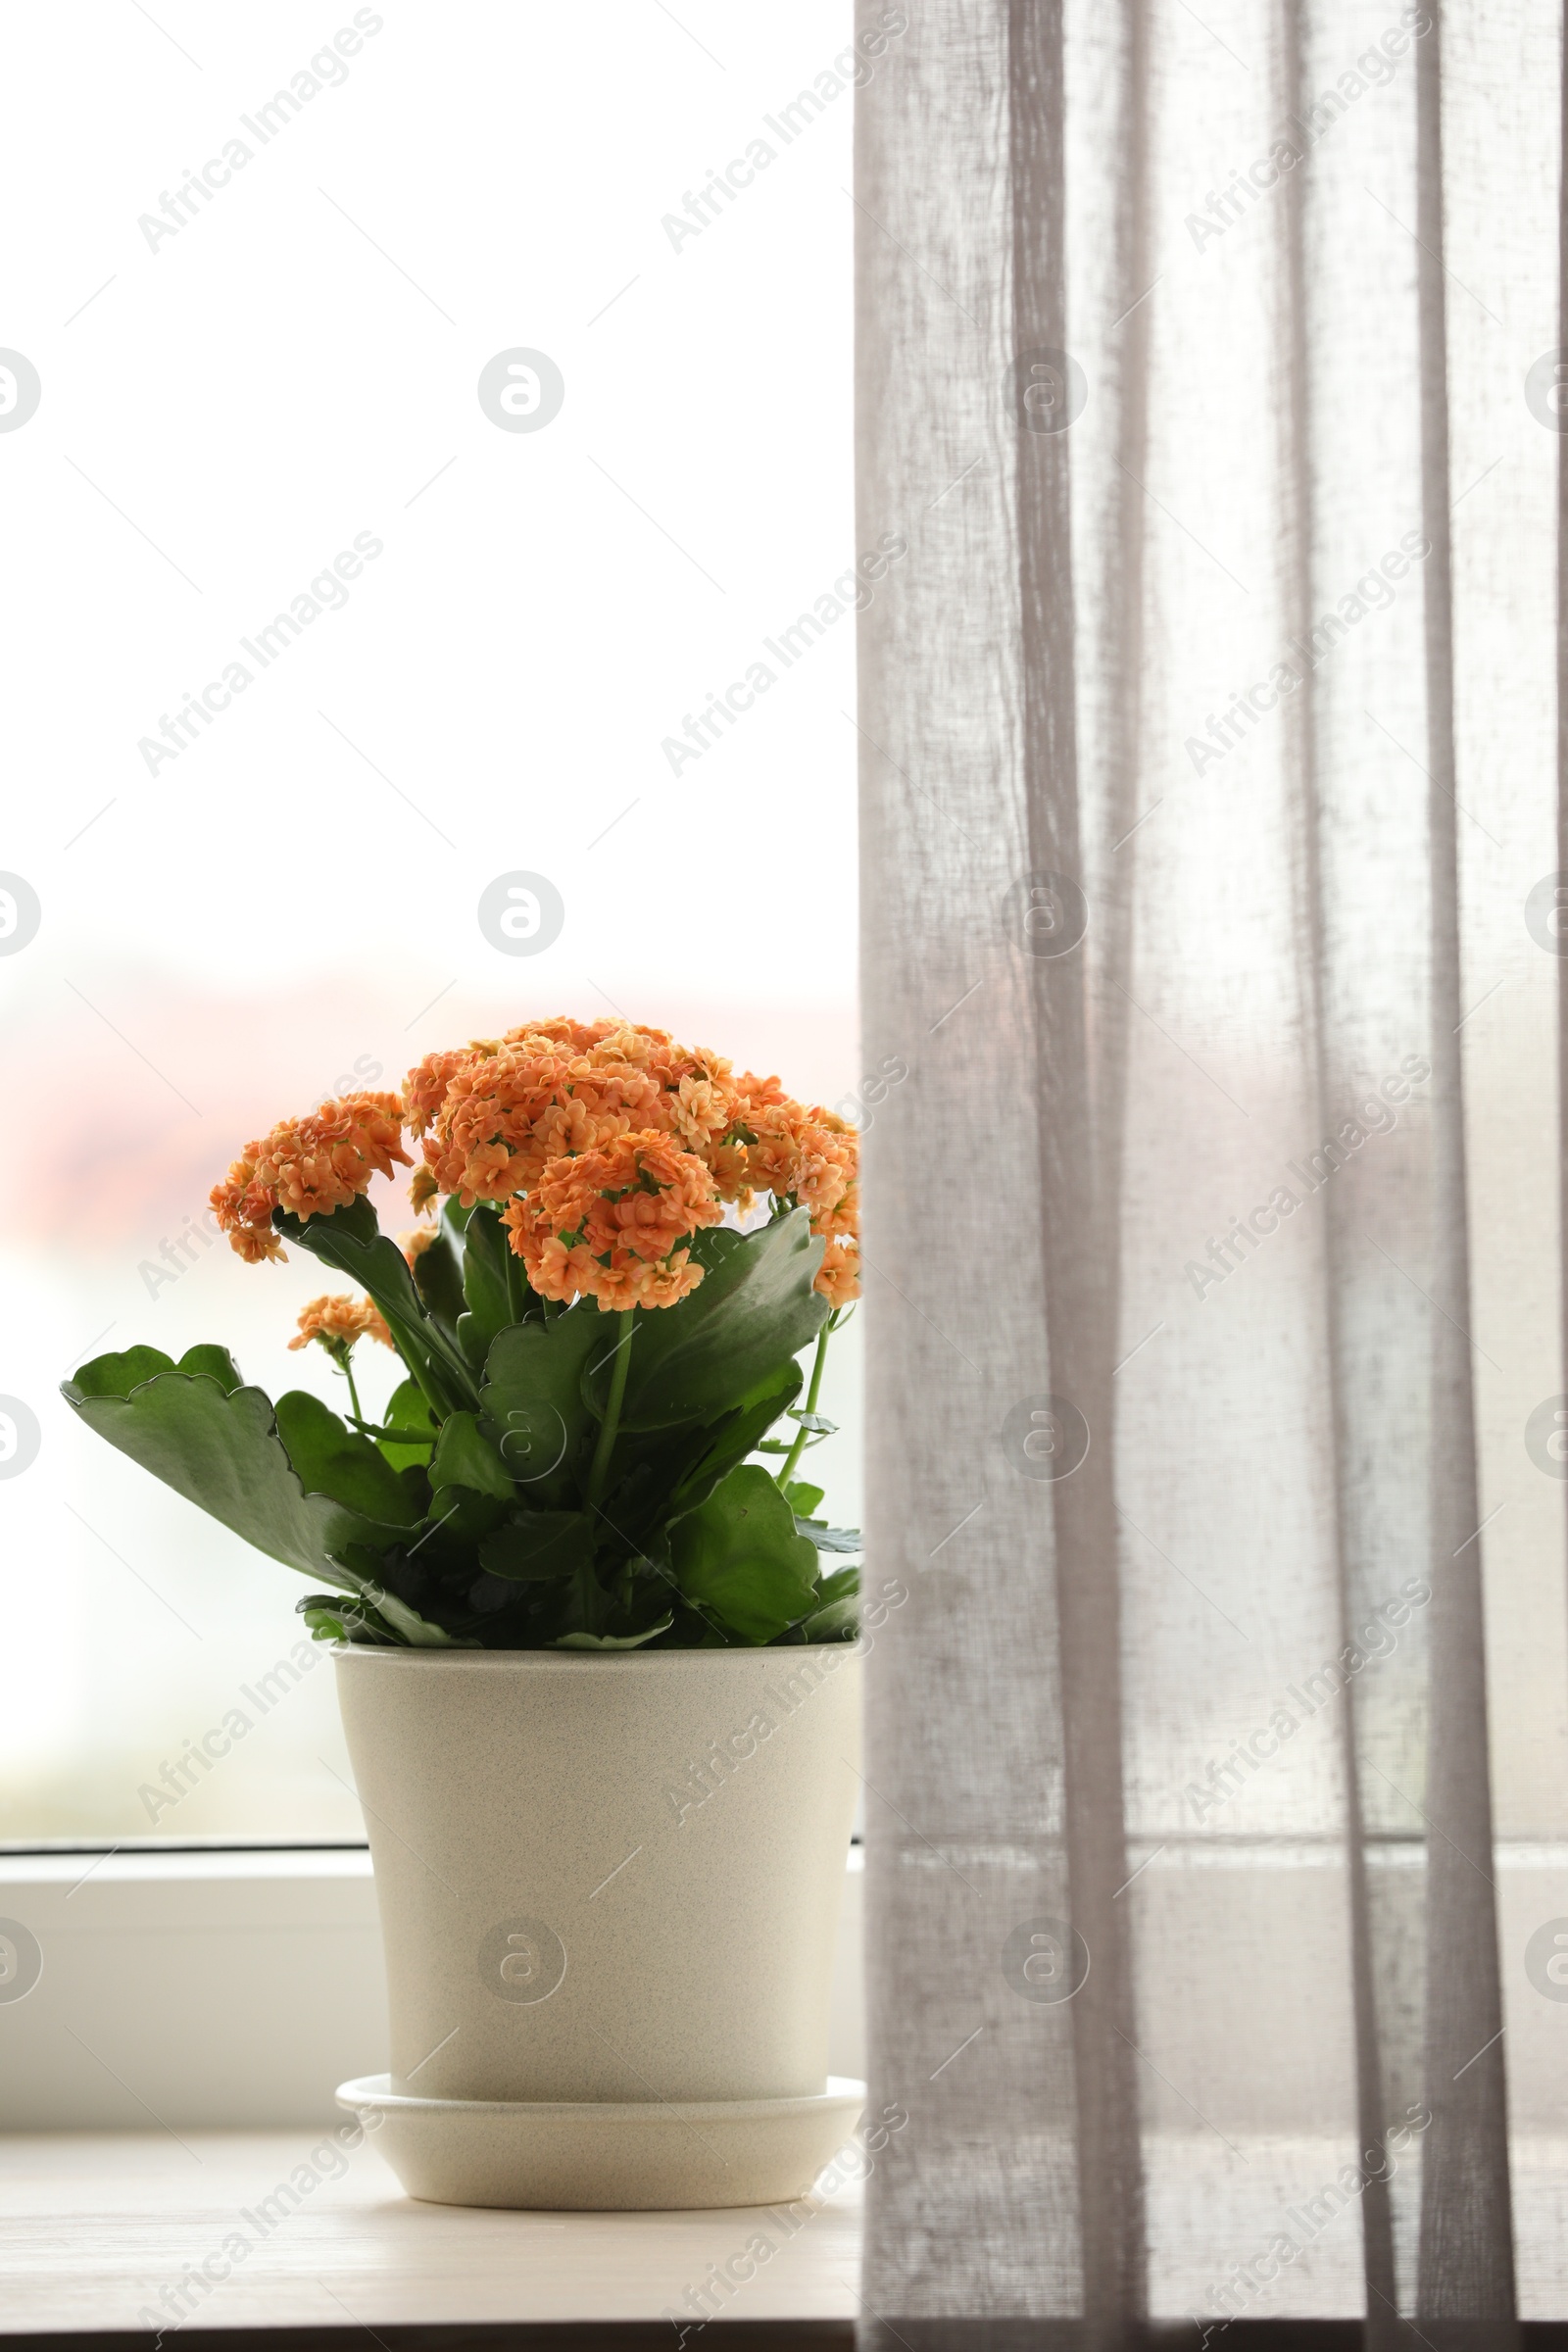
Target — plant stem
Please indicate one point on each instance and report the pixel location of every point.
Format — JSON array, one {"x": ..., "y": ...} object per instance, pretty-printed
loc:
[
  {"x": 814, "y": 1391},
  {"x": 354, "y": 1393},
  {"x": 599, "y": 1474}
]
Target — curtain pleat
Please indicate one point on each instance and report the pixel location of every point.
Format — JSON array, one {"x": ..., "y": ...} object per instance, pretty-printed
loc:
[
  {"x": 1077, "y": 1090},
  {"x": 1375, "y": 2110},
  {"x": 1466, "y": 2258},
  {"x": 1192, "y": 879}
]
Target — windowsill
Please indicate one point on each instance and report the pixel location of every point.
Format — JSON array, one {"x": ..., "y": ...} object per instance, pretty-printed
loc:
[
  {"x": 177, "y": 2059},
  {"x": 227, "y": 1991},
  {"x": 94, "y": 2227}
]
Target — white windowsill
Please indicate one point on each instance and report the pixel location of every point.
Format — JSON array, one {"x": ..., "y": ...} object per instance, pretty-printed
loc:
[
  {"x": 95, "y": 2227},
  {"x": 176, "y": 2060},
  {"x": 226, "y": 1991}
]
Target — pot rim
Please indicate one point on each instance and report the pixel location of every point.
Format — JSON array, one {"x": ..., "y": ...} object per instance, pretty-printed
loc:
[{"x": 596, "y": 1661}]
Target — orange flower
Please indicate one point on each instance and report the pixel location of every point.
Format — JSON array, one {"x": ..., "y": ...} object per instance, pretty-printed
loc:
[
  {"x": 338, "y": 1321},
  {"x": 839, "y": 1278},
  {"x": 311, "y": 1166},
  {"x": 606, "y": 1223},
  {"x": 499, "y": 1114},
  {"x": 505, "y": 1111}
]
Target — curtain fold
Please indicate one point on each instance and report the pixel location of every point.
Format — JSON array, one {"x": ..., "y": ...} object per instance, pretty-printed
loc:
[{"x": 1216, "y": 1752}]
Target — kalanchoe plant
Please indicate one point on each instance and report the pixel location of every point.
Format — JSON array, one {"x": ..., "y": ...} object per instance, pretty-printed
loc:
[{"x": 632, "y": 1247}]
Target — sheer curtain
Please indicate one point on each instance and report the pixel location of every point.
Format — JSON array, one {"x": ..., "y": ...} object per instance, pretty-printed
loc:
[{"x": 1218, "y": 1736}]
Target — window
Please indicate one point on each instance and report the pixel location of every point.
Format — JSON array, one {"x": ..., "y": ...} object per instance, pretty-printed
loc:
[{"x": 327, "y": 623}]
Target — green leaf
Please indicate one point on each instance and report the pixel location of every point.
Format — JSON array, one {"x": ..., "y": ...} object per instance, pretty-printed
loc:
[
  {"x": 535, "y": 1411},
  {"x": 754, "y": 1310},
  {"x": 381, "y": 1621},
  {"x": 416, "y": 1631},
  {"x": 829, "y": 1538},
  {"x": 739, "y": 1559},
  {"x": 616, "y": 1640},
  {"x": 842, "y": 1585},
  {"x": 116, "y": 1375},
  {"x": 459, "y": 1517},
  {"x": 438, "y": 1275},
  {"x": 334, "y": 1459},
  {"x": 840, "y": 1621},
  {"x": 536, "y": 1545},
  {"x": 216, "y": 1362},
  {"x": 224, "y": 1454},
  {"x": 802, "y": 1498},
  {"x": 818, "y": 1423},
  {"x": 586, "y": 1607},
  {"x": 351, "y": 1242},
  {"x": 465, "y": 1458},
  {"x": 332, "y": 1618},
  {"x": 731, "y": 1440},
  {"x": 837, "y": 1614},
  {"x": 408, "y": 1410},
  {"x": 322, "y": 1617},
  {"x": 485, "y": 1287}
]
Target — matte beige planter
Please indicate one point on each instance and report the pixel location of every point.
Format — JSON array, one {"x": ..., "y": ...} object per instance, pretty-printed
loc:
[{"x": 605, "y": 1880}]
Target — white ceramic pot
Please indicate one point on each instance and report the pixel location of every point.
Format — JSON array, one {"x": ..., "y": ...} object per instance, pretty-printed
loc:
[{"x": 607, "y": 1880}]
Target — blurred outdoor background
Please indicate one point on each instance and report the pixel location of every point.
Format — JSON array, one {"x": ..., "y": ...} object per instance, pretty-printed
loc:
[{"x": 289, "y": 905}]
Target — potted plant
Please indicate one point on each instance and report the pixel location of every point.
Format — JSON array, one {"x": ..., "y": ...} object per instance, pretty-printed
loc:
[{"x": 595, "y": 1641}]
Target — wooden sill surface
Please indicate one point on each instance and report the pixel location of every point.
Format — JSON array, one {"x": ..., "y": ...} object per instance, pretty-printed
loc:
[{"x": 94, "y": 2227}]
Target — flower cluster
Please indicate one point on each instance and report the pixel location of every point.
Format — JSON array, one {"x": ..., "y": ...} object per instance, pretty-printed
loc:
[
  {"x": 513, "y": 1119},
  {"x": 311, "y": 1166},
  {"x": 606, "y": 1144},
  {"x": 607, "y": 1223},
  {"x": 338, "y": 1321}
]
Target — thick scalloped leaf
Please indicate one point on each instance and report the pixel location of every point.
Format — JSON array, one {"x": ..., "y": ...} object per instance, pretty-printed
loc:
[
  {"x": 738, "y": 1558},
  {"x": 334, "y": 1459},
  {"x": 732, "y": 1439},
  {"x": 754, "y": 1310},
  {"x": 465, "y": 1458},
  {"x": 116, "y": 1375},
  {"x": 224, "y": 1454},
  {"x": 532, "y": 1400}
]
